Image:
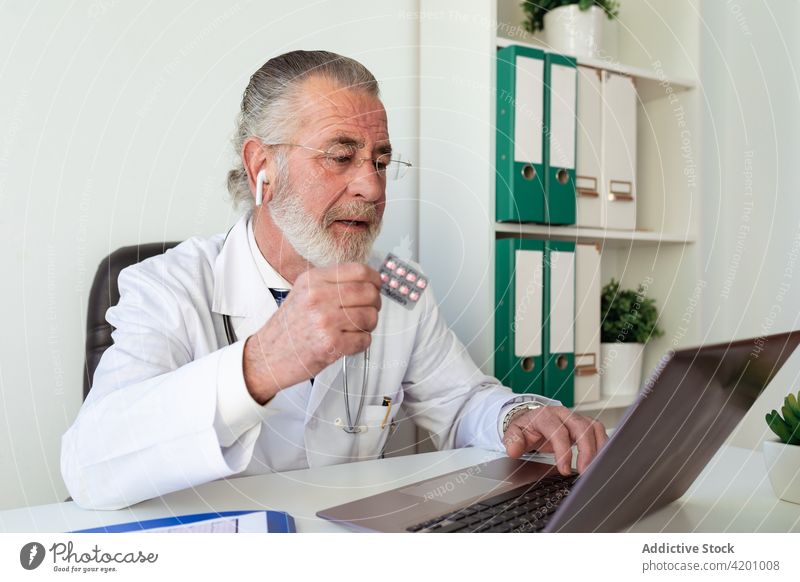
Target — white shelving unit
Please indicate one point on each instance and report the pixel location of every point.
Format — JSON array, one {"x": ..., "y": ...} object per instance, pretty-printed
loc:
[
  {"x": 658, "y": 47},
  {"x": 614, "y": 238}
]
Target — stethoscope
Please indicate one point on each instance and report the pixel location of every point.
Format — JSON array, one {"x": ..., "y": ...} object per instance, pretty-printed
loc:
[{"x": 352, "y": 427}]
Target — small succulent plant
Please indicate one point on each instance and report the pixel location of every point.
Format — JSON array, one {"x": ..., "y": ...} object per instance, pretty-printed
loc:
[{"x": 787, "y": 427}]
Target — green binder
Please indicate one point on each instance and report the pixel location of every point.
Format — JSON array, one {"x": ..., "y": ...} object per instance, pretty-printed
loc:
[
  {"x": 535, "y": 317},
  {"x": 520, "y": 150},
  {"x": 559, "y": 321},
  {"x": 560, "y": 102},
  {"x": 519, "y": 296}
]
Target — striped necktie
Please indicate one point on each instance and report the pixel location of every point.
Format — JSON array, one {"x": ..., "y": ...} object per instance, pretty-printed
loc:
[{"x": 279, "y": 295}]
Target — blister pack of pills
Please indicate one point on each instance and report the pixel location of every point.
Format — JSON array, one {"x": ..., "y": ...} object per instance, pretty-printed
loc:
[{"x": 402, "y": 282}]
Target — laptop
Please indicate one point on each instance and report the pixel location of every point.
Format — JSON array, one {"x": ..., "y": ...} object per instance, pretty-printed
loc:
[{"x": 686, "y": 409}]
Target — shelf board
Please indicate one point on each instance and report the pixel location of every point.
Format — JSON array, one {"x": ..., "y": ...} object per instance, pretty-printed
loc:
[
  {"x": 648, "y": 82},
  {"x": 616, "y": 401},
  {"x": 614, "y": 238}
]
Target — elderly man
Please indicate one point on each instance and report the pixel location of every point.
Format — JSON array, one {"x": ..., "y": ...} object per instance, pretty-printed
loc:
[{"x": 271, "y": 348}]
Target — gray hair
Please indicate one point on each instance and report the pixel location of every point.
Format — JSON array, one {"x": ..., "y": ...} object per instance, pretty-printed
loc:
[{"x": 267, "y": 103}]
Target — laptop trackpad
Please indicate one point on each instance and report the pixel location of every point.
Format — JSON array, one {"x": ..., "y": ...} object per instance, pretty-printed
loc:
[{"x": 455, "y": 489}]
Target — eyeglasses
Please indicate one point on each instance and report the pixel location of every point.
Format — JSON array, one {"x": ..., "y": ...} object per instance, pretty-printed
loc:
[{"x": 341, "y": 158}]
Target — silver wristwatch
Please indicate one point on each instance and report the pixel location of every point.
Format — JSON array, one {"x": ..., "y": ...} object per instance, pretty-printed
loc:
[{"x": 519, "y": 408}]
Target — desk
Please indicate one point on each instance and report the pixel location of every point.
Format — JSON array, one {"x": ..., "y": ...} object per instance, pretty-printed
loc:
[{"x": 733, "y": 494}]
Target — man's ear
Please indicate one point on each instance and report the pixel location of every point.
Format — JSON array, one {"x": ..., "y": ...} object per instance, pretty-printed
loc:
[{"x": 254, "y": 159}]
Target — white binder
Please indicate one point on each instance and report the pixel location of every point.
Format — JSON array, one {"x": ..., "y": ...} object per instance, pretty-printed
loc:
[
  {"x": 561, "y": 146},
  {"x": 618, "y": 189},
  {"x": 562, "y": 302},
  {"x": 589, "y": 147},
  {"x": 528, "y": 294},
  {"x": 587, "y": 323},
  {"x": 529, "y": 111}
]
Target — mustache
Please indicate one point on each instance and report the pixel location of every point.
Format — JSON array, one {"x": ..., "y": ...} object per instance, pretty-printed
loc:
[{"x": 353, "y": 210}]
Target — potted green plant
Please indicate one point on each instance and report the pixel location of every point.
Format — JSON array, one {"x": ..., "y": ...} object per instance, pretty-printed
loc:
[
  {"x": 628, "y": 320},
  {"x": 573, "y": 27},
  {"x": 782, "y": 456}
]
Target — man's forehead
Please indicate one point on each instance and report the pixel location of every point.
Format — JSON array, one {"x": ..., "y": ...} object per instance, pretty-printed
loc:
[{"x": 333, "y": 113}]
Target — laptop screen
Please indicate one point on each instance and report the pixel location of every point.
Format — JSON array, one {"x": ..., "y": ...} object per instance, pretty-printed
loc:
[{"x": 687, "y": 408}]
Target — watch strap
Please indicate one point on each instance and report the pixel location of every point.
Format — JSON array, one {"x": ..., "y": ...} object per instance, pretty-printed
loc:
[{"x": 518, "y": 409}]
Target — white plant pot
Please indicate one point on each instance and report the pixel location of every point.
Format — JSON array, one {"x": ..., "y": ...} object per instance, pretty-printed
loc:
[
  {"x": 783, "y": 468},
  {"x": 620, "y": 368},
  {"x": 573, "y": 31}
]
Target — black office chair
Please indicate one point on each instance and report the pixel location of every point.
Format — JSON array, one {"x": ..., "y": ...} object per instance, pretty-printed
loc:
[{"x": 104, "y": 294}]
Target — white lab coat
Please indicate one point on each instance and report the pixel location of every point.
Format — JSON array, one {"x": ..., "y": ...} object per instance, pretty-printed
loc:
[{"x": 152, "y": 421}]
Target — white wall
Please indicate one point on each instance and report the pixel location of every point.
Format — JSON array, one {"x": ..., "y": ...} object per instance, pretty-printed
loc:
[
  {"x": 115, "y": 119},
  {"x": 751, "y": 215}
]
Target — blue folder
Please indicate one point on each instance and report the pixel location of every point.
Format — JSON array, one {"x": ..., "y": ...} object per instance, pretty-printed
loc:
[{"x": 276, "y": 522}]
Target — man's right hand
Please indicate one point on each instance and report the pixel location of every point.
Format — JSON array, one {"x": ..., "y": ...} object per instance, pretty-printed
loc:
[{"x": 330, "y": 313}]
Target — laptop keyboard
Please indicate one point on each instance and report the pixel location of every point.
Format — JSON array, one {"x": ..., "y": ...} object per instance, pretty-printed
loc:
[{"x": 521, "y": 510}]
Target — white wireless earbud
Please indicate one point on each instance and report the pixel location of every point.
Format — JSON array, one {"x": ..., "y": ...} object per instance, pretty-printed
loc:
[{"x": 261, "y": 179}]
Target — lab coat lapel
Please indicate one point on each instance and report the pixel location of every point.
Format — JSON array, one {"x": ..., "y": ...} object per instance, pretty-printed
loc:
[
  {"x": 328, "y": 380},
  {"x": 238, "y": 288}
]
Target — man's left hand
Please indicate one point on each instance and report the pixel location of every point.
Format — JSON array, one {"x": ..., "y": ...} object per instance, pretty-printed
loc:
[{"x": 554, "y": 429}]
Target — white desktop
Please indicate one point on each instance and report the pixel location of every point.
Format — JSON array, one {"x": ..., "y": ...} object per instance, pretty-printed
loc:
[{"x": 732, "y": 494}]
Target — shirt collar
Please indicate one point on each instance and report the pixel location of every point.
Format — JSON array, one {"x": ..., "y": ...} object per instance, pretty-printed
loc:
[
  {"x": 242, "y": 275},
  {"x": 272, "y": 279}
]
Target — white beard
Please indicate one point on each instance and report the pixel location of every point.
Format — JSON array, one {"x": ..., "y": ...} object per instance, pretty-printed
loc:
[{"x": 315, "y": 242}]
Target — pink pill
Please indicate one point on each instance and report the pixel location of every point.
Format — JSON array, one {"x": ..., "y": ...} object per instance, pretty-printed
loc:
[
  {"x": 422, "y": 283},
  {"x": 391, "y": 265},
  {"x": 404, "y": 290},
  {"x": 413, "y": 296},
  {"x": 394, "y": 283},
  {"x": 384, "y": 277},
  {"x": 411, "y": 277},
  {"x": 401, "y": 271}
]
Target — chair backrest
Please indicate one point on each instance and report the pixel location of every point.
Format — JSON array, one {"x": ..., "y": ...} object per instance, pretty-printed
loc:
[{"x": 105, "y": 294}]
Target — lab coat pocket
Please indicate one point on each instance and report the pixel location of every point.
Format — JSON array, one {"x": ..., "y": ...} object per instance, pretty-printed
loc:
[{"x": 376, "y": 424}]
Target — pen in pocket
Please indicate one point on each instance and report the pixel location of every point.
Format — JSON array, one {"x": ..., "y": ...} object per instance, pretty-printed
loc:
[{"x": 387, "y": 402}]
